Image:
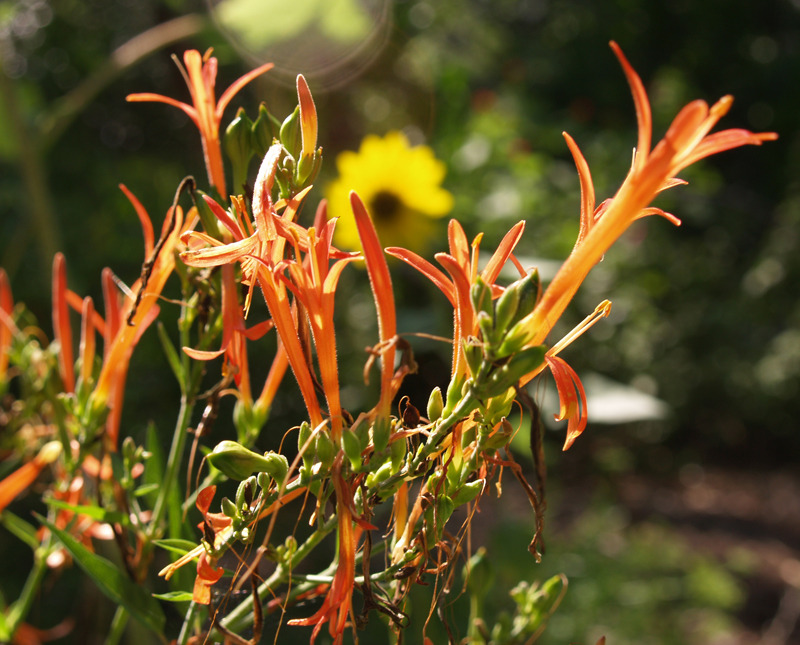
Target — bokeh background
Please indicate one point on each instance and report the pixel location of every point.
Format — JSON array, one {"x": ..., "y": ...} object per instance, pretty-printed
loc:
[{"x": 676, "y": 516}]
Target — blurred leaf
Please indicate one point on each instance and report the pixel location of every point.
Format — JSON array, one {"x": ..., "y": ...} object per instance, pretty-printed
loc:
[
  {"x": 174, "y": 596},
  {"x": 95, "y": 512},
  {"x": 20, "y": 528},
  {"x": 112, "y": 582},
  {"x": 181, "y": 547}
]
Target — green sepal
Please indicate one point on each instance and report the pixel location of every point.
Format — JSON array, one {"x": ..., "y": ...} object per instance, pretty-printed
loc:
[
  {"x": 207, "y": 217},
  {"x": 326, "y": 450}
]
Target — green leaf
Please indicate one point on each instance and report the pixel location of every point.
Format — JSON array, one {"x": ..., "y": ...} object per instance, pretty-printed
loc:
[
  {"x": 113, "y": 582},
  {"x": 20, "y": 528},
  {"x": 172, "y": 356},
  {"x": 182, "y": 547},
  {"x": 95, "y": 512},
  {"x": 144, "y": 490},
  {"x": 5, "y": 632},
  {"x": 174, "y": 596}
]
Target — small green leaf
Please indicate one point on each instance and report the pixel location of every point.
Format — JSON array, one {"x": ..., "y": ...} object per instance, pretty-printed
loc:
[
  {"x": 112, "y": 582},
  {"x": 94, "y": 512},
  {"x": 20, "y": 528},
  {"x": 181, "y": 547},
  {"x": 144, "y": 490},
  {"x": 174, "y": 596},
  {"x": 172, "y": 356}
]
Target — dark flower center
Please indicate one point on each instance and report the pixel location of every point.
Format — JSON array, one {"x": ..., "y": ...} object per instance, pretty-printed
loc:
[{"x": 385, "y": 206}]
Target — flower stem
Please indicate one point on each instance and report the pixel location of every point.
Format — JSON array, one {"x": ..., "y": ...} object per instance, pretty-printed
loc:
[{"x": 118, "y": 626}]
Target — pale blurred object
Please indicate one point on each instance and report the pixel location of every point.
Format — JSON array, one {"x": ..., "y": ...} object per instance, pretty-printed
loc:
[{"x": 329, "y": 41}]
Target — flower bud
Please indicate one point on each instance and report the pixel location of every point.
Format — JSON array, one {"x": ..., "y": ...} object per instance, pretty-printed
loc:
[
  {"x": 481, "y": 296},
  {"x": 239, "y": 143},
  {"x": 468, "y": 492},
  {"x": 326, "y": 450},
  {"x": 530, "y": 291},
  {"x": 506, "y": 376},
  {"x": 473, "y": 352},
  {"x": 238, "y": 463},
  {"x": 351, "y": 445},
  {"x": 380, "y": 433},
  {"x": 229, "y": 508},
  {"x": 478, "y": 574},
  {"x": 310, "y": 451},
  {"x": 398, "y": 449},
  {"x": 435, "y": 405},
  {"x": 505, "y": 309},
  {"x": 266, "y": 128},
  {"x": 291, "y": 135}
]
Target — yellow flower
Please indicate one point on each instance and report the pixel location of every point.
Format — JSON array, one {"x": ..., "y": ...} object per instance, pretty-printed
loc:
[{"x": 400, "y": 186}]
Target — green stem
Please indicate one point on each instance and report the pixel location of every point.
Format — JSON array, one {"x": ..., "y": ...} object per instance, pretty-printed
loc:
[
  {"x": 118, "y": 626},
  {"x": 19, "y": 610},
  {"x": 186, "y": 628},
  {"x": 242, "y": 616},
  {"x": 173, "y": 463}
]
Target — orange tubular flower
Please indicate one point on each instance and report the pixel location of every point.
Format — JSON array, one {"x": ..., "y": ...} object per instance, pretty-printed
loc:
[
  {"x": 6, "y": 309},
  {"x": 686, "y": 142},
  {"x": 339, "y": 601},
  {"x": 200, "y": 74},
  {"x": 234, "y": 335},
  {"x": 23, "y": 477},
  {"x": 260, "y": 254},
  {"x": 61, "y": 325},
  {"x": 463, "y": 269},
  {"x": 214, "y": 524},
  {"x": 381, "y": 283},
  {"x": 121, "y": 337},
  {"x": 313, "y": 282}
]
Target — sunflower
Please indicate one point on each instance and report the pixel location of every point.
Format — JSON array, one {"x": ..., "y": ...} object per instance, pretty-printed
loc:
[{"x": 400, "y": 186}]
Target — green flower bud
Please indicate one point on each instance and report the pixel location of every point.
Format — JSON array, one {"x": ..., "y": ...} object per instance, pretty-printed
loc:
[
  {"x": 305, "y": 167},
  {"x": 468, "y": 492},
  {"x": 486, "y": 325},
  {"x": 435, "y": 405},
  {"x": 473, "y": 352},
  {"x": 326, "y": 450},
  {"x": 310, "y": 451},
  {"x": 506, "y": 376},
  {"x": 207, "y": 218},
  {"x": 239, "y": 145},
  {"x": 454, "y": 394},
  {"x": 505, "y": 309},
  {"x": 351, "y": 445},
  {"x": 244, "y": 494},
  {"x": 291, "y": 135},
  {"x": 499, "y": 406},
  {"x": 229, "y": 508},
  {"x": 129, "y": 450},
  {"x": 238, "y": 463},
  {"x": 397, "y": 450},
  {"x": 437, "y": 515},
  {"x": 481, "y": 296},
  {"x": 478, "y": 574},
  {"x": 379, "y": 476},
  {"x": 266, "y": 128},
  {"x": 381, "y": 430},
  {"x": 530, "y": 291}
]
